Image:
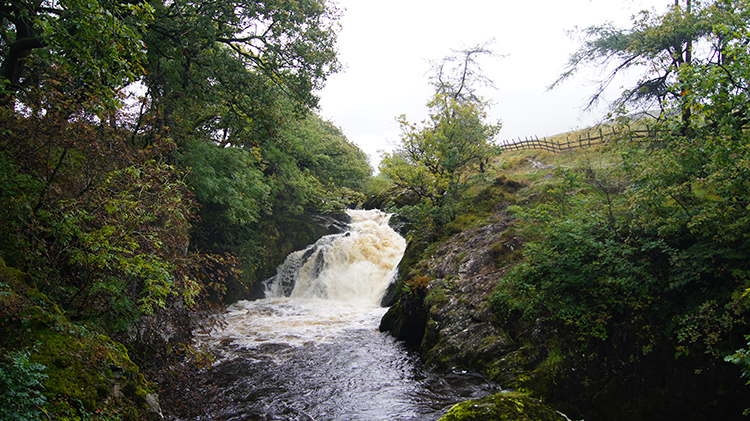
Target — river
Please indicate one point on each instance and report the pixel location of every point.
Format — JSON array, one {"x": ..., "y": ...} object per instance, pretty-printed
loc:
[{"x": 311, "y": 349}]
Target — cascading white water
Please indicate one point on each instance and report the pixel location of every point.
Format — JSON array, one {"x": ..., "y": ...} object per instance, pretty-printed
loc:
[
  {"x": 354, "y": 267},
  {"x": 319, "y": 292},
  {"x": 311, "y": 349}
]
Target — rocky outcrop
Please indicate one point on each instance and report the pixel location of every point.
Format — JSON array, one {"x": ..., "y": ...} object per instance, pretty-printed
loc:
[
  {"x": 449, "y": 318},
  {"x": 464, "y": 271},
  {"x": 406, "y": 320},
  {"x": 449, "y": 315}
]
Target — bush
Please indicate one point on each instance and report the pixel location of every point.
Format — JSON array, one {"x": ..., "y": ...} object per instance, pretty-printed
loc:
[{"x": 640, "y": 255}]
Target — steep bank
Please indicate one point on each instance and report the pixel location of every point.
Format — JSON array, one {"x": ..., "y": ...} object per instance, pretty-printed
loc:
[
  {"x": 55, "y": 369},
  {"x": 637, "y": 368}
]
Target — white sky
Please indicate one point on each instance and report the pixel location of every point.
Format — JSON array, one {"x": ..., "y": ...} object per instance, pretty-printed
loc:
[{"x": 386, "y": 47}]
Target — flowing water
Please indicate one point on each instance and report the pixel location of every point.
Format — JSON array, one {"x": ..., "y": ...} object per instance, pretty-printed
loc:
[{"x": 311, "y": 350}]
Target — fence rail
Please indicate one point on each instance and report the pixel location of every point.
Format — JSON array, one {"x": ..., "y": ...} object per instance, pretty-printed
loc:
[{"x": 582, "y": 140}]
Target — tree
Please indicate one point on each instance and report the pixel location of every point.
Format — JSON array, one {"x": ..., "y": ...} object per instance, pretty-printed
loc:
[
  {"x": 129, "y": 216},
  {"x": 216, "y": 68},
  {"x": 673, "y": 250},
  {"x": 84, "y": 48},
  {"x": 452, "y": 142},
  {"x": 459, "y": 75},
  {"x": 434, "y": 160},
  {"x": 230, "y": 83},
  {"x": 661, "y": 46},
  {"x": 96, "y": 201},
  {"x": 249, "y": 195}
]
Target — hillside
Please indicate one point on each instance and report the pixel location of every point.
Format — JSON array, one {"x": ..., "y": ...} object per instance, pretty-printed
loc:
[{"x": 567, "y": 276}]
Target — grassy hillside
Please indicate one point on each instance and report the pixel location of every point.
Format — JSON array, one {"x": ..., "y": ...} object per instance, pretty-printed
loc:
[{"x": 617, "y": 279}]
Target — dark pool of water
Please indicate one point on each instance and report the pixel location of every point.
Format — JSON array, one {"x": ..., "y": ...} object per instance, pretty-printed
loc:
[{"x": 362, "y": 375}]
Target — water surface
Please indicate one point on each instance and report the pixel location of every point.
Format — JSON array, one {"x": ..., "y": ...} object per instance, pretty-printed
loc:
[{"x": 311, "y": 350}]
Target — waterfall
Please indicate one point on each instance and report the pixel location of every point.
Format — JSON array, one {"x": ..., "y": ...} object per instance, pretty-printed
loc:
[
  {"x": 311, "y": 350},
  {"x": 356, "y": 266}
]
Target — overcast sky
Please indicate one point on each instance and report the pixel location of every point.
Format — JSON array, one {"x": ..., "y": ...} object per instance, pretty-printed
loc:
[{"x": 386, "y": 45}]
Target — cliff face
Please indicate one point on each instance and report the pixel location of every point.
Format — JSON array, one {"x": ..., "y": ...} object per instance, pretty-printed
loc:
[
  {"x": 464, "y": 271},
  {"x": 450, "y": 319}
]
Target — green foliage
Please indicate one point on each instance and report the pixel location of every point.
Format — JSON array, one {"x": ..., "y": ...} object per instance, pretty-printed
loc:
[
  {"x": 83, "y": 49},
  {"x": 17, "y": 191},
  {"x": 231, "y": 84},
  {"x": 81, "y": 369},
  {"x": 214, "y": 70},
  {"x": 21, "y": 384},
  {"x": 118, "y": 247},
  {"x": 582, "y": 272},
  {"x": 248, "y": 196},
  {"x": 377, "y": 185},
  {"x": 435, "y": 161},
  {"x": 683, "y": 50},
  {"x": 103, "y": 230},
  {"x": 227, "y": 178},
  {"x": 699, "y": 185},
  {"x": 323, "y": 151},
  {"x": 132, "y": 220},
  {"x": 607, "y": 258},
  {"x": 652, "y": 249},
  {"x": 642, "y": 256},
  {"x": 319, "y": 171},
  {"x": 741, "y": 357}
]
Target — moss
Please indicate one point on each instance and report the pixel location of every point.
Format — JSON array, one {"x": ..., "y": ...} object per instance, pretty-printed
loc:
[
  {"x": 554, "y": 362},
  {"x": 436, "y": 297},
  {"x": 84, "y": 369},
  {"x": 503, "y": 406},
  {"x": 510, "y": 370},
  {"x": 437, "y": 355}
]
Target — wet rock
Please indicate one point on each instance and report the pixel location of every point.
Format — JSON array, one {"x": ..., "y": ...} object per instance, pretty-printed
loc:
[
  {"x": 152, "y": 400},
  {"x": 406, "y": 320},
  {"x": 503, "y": 406},
  {"x": 460, "y": 331}
]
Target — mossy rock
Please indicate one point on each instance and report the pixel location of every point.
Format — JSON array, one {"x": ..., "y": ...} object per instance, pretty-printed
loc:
[
  {"x": 503, "y": 407},
  {"x": 86, "y": 368},
  {"x": 406, "y": 320},
  {"x": 515, "y": 370},
  {"x": 86, "y": 372}
]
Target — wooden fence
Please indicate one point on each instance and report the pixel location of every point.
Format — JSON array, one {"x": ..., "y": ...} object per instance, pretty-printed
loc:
[{"x": 567, "y": 142}]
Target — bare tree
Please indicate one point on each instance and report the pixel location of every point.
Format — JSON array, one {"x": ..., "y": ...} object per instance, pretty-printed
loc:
[{"x": 459, "y": 75}]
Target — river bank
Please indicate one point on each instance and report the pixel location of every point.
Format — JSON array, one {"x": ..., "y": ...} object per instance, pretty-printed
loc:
[{"x": 460, "y": 305}]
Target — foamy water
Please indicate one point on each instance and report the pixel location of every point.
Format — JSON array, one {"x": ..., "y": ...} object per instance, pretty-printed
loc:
[
  {"x": 355, "y": 267},
  {"x": 293, "y": 322},
  {"x": 311, "y": 350}
]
